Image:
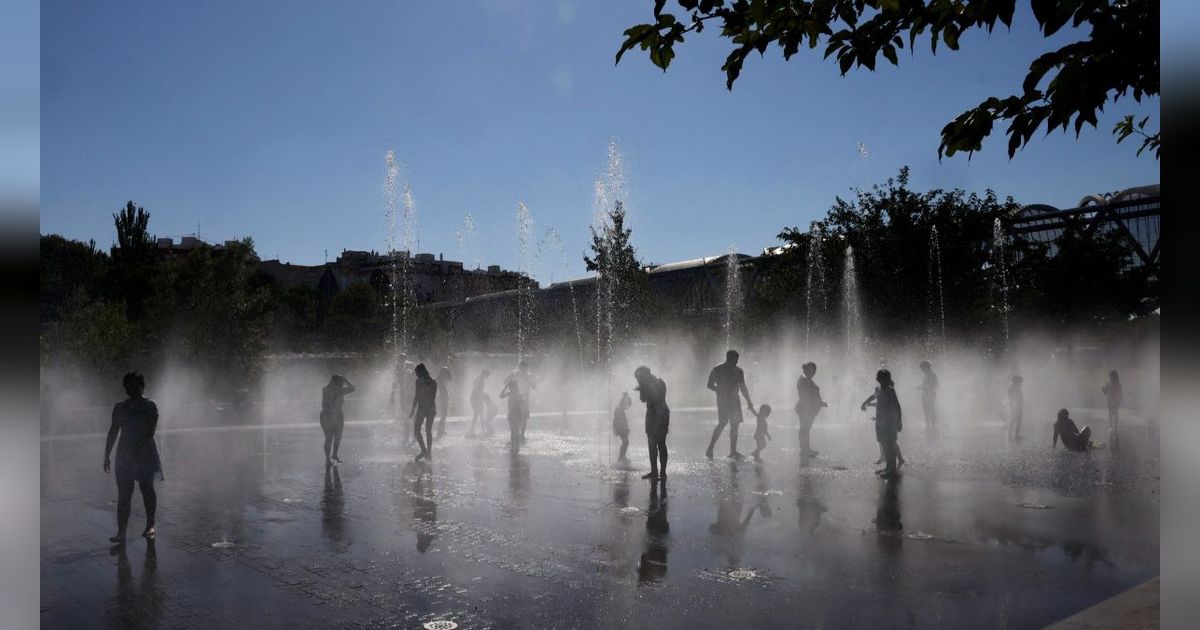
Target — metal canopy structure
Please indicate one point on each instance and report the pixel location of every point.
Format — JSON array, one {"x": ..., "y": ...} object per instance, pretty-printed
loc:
[{"x": 1134, "y": 213}]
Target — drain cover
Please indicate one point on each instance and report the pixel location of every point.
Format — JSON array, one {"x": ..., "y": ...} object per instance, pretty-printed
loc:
[
  {"x": 1035, "y": 506},
  {"x": 742, "y": 574},
  {"x": 440, "y": 624},
  {"x": 224, "y": 544}
]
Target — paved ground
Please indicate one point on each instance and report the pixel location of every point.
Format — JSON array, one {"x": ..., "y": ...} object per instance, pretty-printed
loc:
[{"x": 976, "y": 534}]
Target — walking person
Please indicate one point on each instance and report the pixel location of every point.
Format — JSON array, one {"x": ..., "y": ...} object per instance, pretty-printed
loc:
[
  {"x": 443, "y": 399},
  {"x": 477, "y": 395},
  {"x": 424, "y": 408},
  {"x": 929, "y": 395},
  {"x": 888, "y": 422},
  {"x": 728, "y": 382},
  {"x": 333, "y": 420},
  {"x": 134, "y": 420},
  {"x": 1016, "y": 407},
  {"x": 653, "y": 391},
  {"x": 808, "y": 405},
  {"x": 761, "y": 432},
  {"x": 1113, "y": 397}
]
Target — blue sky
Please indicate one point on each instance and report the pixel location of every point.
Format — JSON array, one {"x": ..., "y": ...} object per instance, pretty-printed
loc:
[{"x": 271, "y": 120}]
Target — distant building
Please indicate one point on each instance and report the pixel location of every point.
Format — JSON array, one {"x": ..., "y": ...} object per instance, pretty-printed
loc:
[
  {"x": 431, "y": 279},
  {"x": 691, "y": 291},
  {"x": 167, "y": 249}
]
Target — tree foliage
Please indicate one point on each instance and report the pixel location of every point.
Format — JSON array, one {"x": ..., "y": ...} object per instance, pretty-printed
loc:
[
  {"x": 1080, "y": 279},
  {"x": 1068, "y": 86},
  {"x": 623, "y": 288}
]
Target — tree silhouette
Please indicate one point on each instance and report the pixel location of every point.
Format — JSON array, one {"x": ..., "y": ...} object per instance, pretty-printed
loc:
[{"x": 1119, "y": 56}]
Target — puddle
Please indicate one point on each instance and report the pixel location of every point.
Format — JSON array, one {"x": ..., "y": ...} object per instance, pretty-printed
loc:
[
  {"x": 224, "y": 544},
  {"x": 440, "y": 624},
  {"x": 742, "y": 574},
  {"x": 1035, "y": 506}
]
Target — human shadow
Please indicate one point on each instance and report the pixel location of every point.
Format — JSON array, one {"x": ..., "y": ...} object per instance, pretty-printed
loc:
[
  {"x": 809, "y": 508},
  {"x": 652, "y": 566},
  {"x": 139, "y": 605},
  {"x": 424, "y": 507},
  {"x": 333, "y": 506},
  {"x": 730, "y": 527}
]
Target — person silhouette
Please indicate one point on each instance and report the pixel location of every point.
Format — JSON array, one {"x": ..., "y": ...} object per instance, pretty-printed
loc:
[
  {"x": 514, "y": 391},
  {"x": 333, "y": 420},
  {"x": 621, "y": 423},
  {"x": 477, "y": 394},
  {"x": 653, "y": 391},
  {"x": 443, "y": 398},
  {"x": 761, "y": 432},
  {"x": 888, "y": 422},
  {"x": 490, "y": 409},
  {"x": 1113, "y": 397},
  {"x": 728, "y": 381},
  {"x": 134, "y": 420},
  {"x": 929, "y": 395},
  {"x": 1071, "y": 436},
  {"x": 1016, "y": 407},
  {"x": 808, "y": 405},
  {"x": 518, "y": 388},
  {"x": 424, "y": 408}
]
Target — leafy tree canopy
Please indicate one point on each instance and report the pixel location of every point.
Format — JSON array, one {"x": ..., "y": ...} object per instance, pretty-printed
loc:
[{"x": 1068, "y": 86}]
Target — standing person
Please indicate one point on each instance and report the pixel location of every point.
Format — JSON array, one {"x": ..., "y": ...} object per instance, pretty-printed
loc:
[
  {"x": 929, "y": 395},
  {"x": 1016, "y": 407},
  {"x": 489, "y": 413},
  {"x": 888, "y": 422},
  {"x": 870, "y": 402},
  {"x": 621, "y": 423},
  {"x": 761, "y": 433},
  {"x": 477, "y": 395},
  {"x": 653, "y": 391},
  {"x": 728, "y": 381},
  {"x": 1113, "y": 397},
  {"x": 513, "y": 392},
  {"x": 135, "y": 419},
  {"x": 332, "y": 418},
  {"x": 518, "y": 388},
  {"x": 443, "y": 399},
  {"x": 424, "y": 408},
  {"x": 1071, "y": 436},
  {"x": 808, "y": 404}
]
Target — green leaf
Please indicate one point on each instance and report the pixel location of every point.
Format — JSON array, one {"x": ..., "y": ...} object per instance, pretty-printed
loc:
[
  {"x": 889, "y": 51},
  {"x": 845, "y": 60}
]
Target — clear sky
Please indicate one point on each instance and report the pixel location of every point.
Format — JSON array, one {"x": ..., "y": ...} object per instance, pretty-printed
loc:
[{"x": 271, "y": 120}]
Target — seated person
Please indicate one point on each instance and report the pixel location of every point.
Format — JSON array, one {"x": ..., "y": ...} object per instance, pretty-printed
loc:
[{"x": 1070, "y": 434}]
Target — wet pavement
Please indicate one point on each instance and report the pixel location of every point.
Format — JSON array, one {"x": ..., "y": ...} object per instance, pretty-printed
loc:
[{"x": 254, "y": 533}]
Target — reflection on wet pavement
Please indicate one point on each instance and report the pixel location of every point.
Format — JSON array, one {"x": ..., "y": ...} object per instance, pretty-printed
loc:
[{"x": 558, "y": 536}]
